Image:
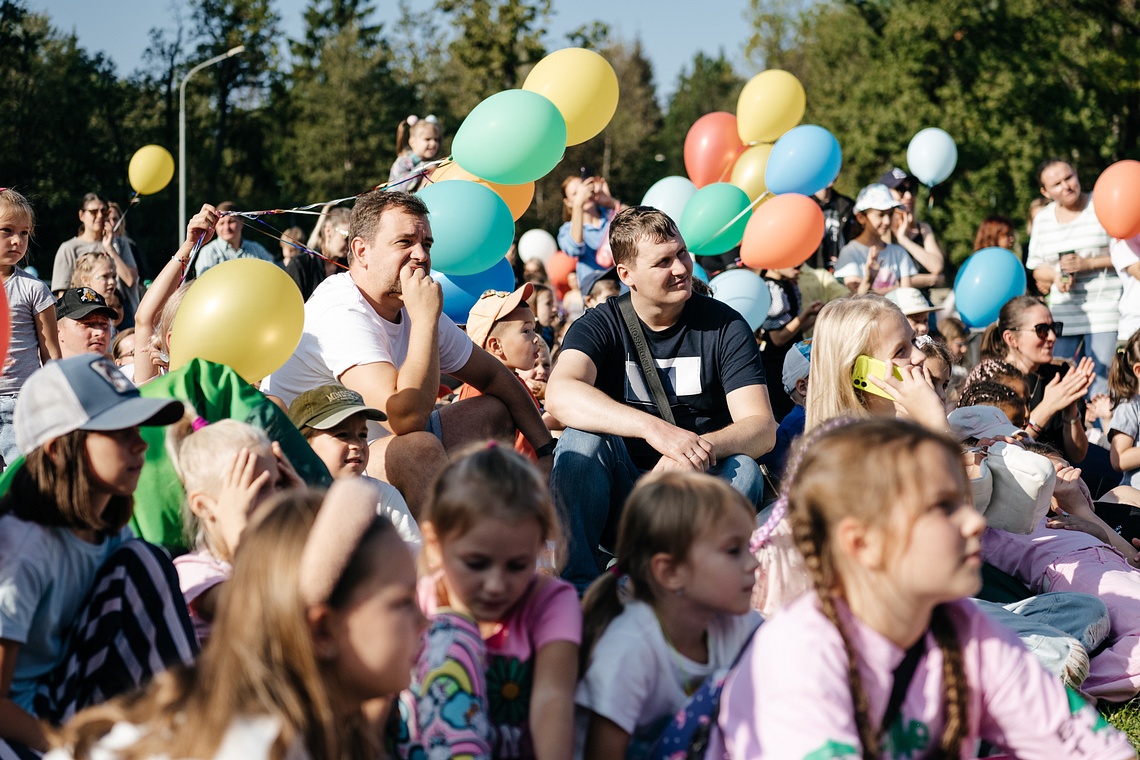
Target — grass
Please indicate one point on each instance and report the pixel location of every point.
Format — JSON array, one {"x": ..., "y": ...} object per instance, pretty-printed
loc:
[{"x": 1125, "y": 717}]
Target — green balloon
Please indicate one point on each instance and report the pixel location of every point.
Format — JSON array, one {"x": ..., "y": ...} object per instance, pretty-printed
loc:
[
  {"x": 707, "y": 213},
  {"x": 512, "y": 137}
]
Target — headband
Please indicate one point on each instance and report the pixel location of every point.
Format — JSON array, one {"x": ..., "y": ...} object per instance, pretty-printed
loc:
[{"x": 346, "y": 514}]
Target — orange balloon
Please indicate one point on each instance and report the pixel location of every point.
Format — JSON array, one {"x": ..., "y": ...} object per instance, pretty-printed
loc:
[
  {"x": 1116, "y": 199},
  {"x": 517, "y": 197},
  {"x": 783, "y": 233},
  {"x": 558, "y": 269},
  {"x": 711, "y": 146}
]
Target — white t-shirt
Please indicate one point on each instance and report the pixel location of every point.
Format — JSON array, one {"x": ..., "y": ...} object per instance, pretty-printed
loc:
[
  {"x": 27, "y": 297},
  {"x": 343, "y": 331},
  {"x": 393, "y": 506},
  {"x": 894, "y": 264},
  {"x": 637, "y": 680},
  {"x": 1092, "y": 304},
  {"x": 1124, "y": 254}
]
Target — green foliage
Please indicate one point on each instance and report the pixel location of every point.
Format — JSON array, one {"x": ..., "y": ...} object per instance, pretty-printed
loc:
[
  {"x": 712, "y": 85},
  {"x": 1013, "y": 81}
]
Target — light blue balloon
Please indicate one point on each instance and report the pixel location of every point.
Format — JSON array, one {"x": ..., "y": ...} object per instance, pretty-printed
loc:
[
  {"x": 931, "y": 156},
  {"x": 670, "y": 196},
  {"x": 460, "y": 292},
  {"x": 805, "y": 160},
  {"x": 986, "y": 281},
  {"x": 700, "y": 273},
  {"x": 745, "y": 291},
  {"x": 472, "y": 226},
  {"x": 512, "y": 137},
  {"x": 707, "y": 224}
]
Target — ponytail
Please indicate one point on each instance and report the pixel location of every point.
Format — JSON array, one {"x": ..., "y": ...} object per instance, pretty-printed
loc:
[
  {"x": 403, "y": 132},
  {"x": 600, "y": 606},
  {"x": 1122, "y": 383},
  {"x": 993, "y": 344}
]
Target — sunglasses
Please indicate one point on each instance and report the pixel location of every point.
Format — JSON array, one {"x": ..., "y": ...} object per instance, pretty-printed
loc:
[{"x": 1043, "y": 329}]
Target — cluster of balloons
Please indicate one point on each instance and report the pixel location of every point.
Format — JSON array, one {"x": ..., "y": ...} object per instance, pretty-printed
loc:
[{"x": 507, "y": 142}]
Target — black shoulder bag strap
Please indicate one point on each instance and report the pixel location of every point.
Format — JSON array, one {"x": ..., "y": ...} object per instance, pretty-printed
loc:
[
  {"x": 648, "y": 368},
  {"x": 903, "y": 676}
]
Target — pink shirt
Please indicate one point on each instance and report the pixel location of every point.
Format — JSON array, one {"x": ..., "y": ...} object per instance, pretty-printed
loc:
[
  {"x": 549, "y": 611},
  {"x": 789, "y": 696},
  {"x": 1027, "y": 557},
  {"x": 198, "y": 572}
]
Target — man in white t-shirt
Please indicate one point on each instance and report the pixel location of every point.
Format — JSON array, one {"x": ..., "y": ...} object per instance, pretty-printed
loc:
[{"x": 380, "y": 330}]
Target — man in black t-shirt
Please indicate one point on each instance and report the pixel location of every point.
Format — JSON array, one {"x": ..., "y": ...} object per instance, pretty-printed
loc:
[{"x": 709, "y": 366}]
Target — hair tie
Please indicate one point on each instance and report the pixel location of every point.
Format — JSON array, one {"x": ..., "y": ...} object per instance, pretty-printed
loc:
[
  {"x": 430, "y": 119},
  {"x": 199, "y": 423},
  {"x": 492, "y": 444},
  {"x": 346, "y": 514},
  {"x": 2, "y": 189},
  {"x": 412, "y": 120}
]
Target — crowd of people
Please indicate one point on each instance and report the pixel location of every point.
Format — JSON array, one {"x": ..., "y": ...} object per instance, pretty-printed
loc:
[{"x": 601, "y": 518}]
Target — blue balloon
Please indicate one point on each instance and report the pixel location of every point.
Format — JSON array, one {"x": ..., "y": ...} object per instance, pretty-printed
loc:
[
  {"x": 986, "y": 281},
  {"x": 805, "y": 160},
  {"x": 460, "y": 292},
  {"x": 745, "y": 291},
  {"x": 670, "y": 196},
  {"x": 931, "y": 156},
  {"x": 472, "y": 226},
  {"x": 700, "y": 273}
]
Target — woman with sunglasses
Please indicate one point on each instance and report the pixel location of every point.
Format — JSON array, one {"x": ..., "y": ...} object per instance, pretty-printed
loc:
[
  {"x": 96, "y": 235},
  {"x": 1024, "y": 336}
]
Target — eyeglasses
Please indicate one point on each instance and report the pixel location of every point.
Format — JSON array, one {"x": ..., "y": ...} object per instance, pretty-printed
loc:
[
  {"x": 96, "y": 211},
  {"x": 1043, "y": 329}
]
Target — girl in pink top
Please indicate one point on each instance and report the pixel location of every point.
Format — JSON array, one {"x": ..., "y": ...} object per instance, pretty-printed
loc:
[
  {"x": 881, "y": 510},
  {"x": 496, "y": 676}
]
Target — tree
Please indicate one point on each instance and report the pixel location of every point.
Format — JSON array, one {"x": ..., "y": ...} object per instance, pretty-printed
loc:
[{"x": 712, "y": 85}]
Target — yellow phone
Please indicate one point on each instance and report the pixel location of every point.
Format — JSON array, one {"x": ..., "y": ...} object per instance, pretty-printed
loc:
[{"x": 866, "y": 366}]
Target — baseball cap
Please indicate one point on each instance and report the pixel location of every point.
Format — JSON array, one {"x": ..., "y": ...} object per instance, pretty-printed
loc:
[
  {"x": 910, "y": 300},
  {"x": 490, "y": 308},
  {"x": 877, "y": 196},
  {"x": 895, "y": 177},
  {"x": 587, "y": 282},
  {"x": 328, "y": 406},
  {"x": 980, "y": 421},
  {"x": 86, "y": 392},
  {"x": 797, "y": 364},
  {"x": 77, "y": 303}
]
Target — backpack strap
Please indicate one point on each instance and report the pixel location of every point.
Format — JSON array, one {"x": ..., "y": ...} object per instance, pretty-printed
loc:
[
  {"x": 648, "y": 368},
  {"x": 903, "y": 676}
]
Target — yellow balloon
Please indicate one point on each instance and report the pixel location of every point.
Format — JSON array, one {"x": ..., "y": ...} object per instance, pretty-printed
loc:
[
  {"x": 584, "y": 87},
  {"x": 151, "y": 169},
  {"x": 748, "y": 171},
  {"x": 245, "y": 313},
  {"x": 770, "y": 104},
  {"x": 517, "y": 197}
]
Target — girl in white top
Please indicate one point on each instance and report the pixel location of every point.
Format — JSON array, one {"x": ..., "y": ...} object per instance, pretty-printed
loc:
[
  {"x": 871, "y": 262},
  {"x": 683, "y": 550},
  {"x": 882, "y": 513},
  {"x": 1069, "y": 249},
  {"x": 318, "y": 622}
]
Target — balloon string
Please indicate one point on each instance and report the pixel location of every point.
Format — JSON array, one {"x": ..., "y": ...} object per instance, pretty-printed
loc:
[
  {"x": 193, "y": 257},
  {"x": 739, "y": 216},
  {"x": 732, "y": 163},
  {"x": 302, "y": 248},
  {"x": 134, "y": 199}
]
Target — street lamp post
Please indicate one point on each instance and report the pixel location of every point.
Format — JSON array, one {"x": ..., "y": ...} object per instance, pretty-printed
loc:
[{"x": 182, "y": 132}]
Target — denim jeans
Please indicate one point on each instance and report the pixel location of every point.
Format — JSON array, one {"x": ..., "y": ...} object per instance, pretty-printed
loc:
[
  {"x": 1100, "y": 347},
  {"x": 8, "y": 450},
  {"x": 592, "y": 476},
  {"x": 1060, "y": 628}
]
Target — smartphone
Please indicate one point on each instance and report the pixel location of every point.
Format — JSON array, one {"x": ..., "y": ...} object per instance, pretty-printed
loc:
[
  {"x": 865, "y": 367},
  {"x": 586, "y": 172}
]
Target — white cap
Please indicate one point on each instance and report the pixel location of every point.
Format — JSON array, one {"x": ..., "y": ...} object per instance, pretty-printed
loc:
[
  {"x": 910, "y": 300},
  {"x": 980, "y": 421},
  {"x": 876, "y": 196},
  {"x": 797, "y": 364}
]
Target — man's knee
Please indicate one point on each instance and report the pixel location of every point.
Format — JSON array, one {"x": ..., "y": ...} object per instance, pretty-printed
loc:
[
  {"x": 476, "y": 419},
  {"x": 743, "y": 473}
]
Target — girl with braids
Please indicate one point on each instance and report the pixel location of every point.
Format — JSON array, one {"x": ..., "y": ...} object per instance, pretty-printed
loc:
[
  {"x": 998, "y": 371},
  {"x": 887, "y": 659},
  {"x": 990, "y": 393},
  {"x": 1124, "y": 431},
  {"x": 683, "y": 549}
]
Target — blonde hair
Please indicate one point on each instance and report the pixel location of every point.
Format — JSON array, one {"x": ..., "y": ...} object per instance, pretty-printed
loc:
[
  {"x": 200, "y": 458},
  {"x": 489, "y": 481},
  {"x": 260, "y": 660},
  {"x": 85, "y": 266},
  {"x": 165, "y": 321},
  {"x": 845, "y": 329},
  {"x": 14, "y": 203},
  {"x": 665, "y": 513},
  {"x": 833, "y": 466}
]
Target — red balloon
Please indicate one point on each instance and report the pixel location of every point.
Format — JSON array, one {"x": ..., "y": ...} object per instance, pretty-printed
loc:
[
  {"x": 711, "y": 147},
  {"x": 558, "y": 269},
  {"x": 783, "y": 233},
  {"x": 1116, "y": 199},
  {"x": 5, "y": 327}
]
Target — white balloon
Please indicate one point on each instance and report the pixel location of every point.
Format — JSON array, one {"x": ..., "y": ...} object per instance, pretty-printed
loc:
[
  {"x": 931, "y": 156},
  {"x": 670, "y": 195},
  {"x": 537, "y": 244}
]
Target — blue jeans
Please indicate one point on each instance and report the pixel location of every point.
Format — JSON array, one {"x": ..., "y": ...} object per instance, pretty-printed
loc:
[
  {"x": 8, "y": 450},
  {"x": 592, "y": 476},
  {"x": 1100, "y": 347}
]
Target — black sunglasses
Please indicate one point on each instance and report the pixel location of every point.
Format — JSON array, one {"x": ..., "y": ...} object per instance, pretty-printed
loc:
[{"x": 1043, "y": 329}]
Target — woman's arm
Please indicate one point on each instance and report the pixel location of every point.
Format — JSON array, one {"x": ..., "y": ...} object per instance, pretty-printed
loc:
[
  {"x": 929, "y": 254},
  {"x": 552, "y": 701},
  {"x": 127, "y": 273},
  {"x": 16, "y": 723}
]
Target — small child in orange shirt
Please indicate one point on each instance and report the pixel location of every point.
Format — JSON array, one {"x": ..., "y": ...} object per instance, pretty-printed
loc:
[{"x": 503, "y": 325}]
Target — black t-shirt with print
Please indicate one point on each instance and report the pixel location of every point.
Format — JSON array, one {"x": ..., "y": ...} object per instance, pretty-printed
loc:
[{"x": 709, "y": 353}]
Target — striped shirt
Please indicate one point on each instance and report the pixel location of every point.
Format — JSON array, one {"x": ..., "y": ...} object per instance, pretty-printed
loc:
[{"x": 1092, "y": 305}]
